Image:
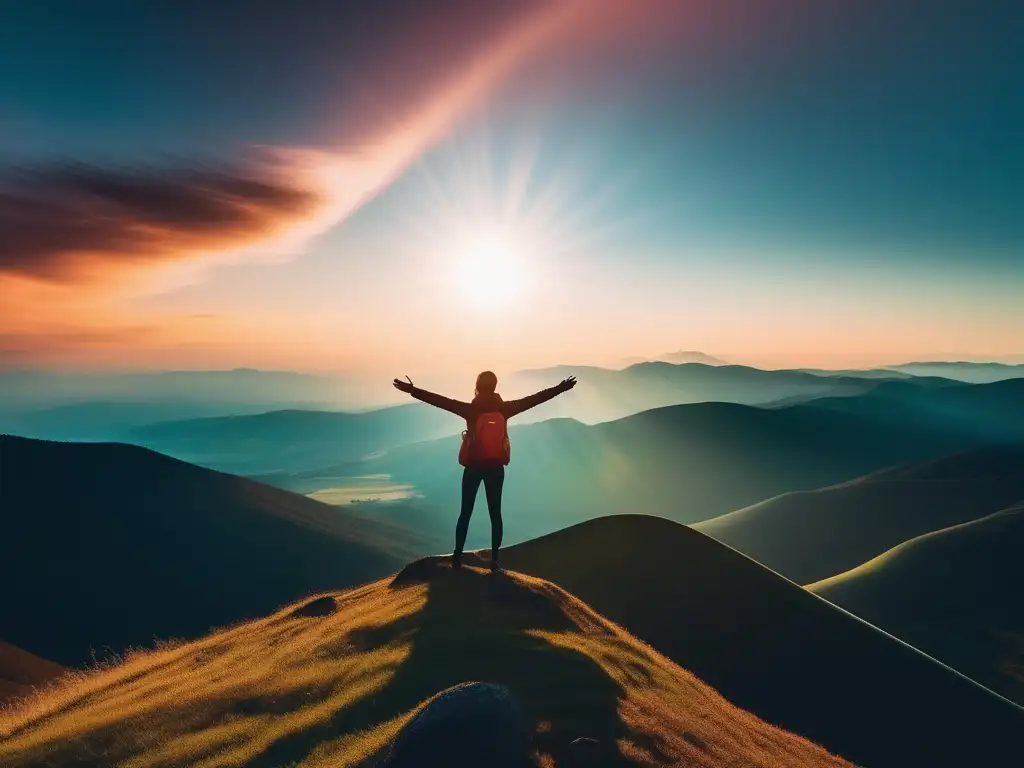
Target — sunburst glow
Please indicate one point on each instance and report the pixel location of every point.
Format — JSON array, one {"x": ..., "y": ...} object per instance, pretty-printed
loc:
[{"x": 490, "y": 272}]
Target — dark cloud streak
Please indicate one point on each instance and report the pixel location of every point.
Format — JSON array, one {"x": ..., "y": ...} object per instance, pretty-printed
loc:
[{"x": 53, "y": 217}]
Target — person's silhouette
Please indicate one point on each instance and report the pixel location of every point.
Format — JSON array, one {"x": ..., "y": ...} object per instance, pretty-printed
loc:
[{"x": 483, "y": 465}]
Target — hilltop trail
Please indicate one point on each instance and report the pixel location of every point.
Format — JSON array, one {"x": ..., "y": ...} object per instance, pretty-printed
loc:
[{"x": 331, "y": 680}]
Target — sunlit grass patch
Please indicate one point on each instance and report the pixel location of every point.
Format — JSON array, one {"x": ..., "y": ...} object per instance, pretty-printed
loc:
[{"x": 333, "y": 690}]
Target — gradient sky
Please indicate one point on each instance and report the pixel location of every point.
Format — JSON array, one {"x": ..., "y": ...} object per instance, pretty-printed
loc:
[{"x": 300, "y": 185}]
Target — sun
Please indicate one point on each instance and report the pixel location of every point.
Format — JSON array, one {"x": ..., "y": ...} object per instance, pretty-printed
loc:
[{"x": 489, "y": 271}]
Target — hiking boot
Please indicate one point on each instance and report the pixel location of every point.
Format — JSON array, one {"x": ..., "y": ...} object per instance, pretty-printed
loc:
[
  {"x": 457, "y": 560},
  {"x": 494, "y": 566}
]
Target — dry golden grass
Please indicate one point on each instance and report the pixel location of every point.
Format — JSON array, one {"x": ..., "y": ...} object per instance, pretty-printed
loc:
[
  {"x": 332, "y": 691},
  {"x": 22, "y": 672}
]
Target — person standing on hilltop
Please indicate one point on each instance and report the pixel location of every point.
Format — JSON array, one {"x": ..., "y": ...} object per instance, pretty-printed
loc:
[{"x": 485, "y": 450}]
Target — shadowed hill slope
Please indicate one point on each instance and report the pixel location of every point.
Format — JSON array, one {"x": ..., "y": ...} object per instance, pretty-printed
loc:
[
  {"x": 108, "y": 545},
  {"x": 773, "y": 648},
  {"x": 954, "y": 593},
  {"x": 330, "y": 687},
  {"x": 811, "y": 535},
  {"x": 21, "y": 671}
]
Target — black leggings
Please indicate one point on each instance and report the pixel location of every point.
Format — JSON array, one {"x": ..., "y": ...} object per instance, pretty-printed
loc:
[{"x": 493, "y": 478}]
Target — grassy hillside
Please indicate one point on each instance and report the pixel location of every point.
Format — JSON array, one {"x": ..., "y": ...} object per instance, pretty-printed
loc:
[
  {"x": 811, "y": 535},
  {"x": 775, "y": 649},
  {"x": 331, "y": 690},
  {"x": 293, "y": 439},
  {"x": 687, "y": 462},
  {"x": 108, "y": 545},
  {"x": 21, "y": 672},
  {"x": 955, "y": 594}
]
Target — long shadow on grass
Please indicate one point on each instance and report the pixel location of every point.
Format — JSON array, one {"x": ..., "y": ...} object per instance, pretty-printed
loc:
[{"x": 476, "y": 626}]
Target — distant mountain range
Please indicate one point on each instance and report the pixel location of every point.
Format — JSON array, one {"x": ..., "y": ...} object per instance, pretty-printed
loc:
[
  {"x": 676, "y": 358},
  {"x": 107, "y": 546},
  {"x": 241, "y": 386},
  {"x": 954, "y": 593},
  {"x": 688, "y": 462},
  {"x": 102, "y": 421},
  {"x": 604, "y": 394},
  {"x": 293, "y": 440},
  {"x": 811, "y": 535},
  {"x": 992, "y": 412},
  {"x": 974, "y": 373}
]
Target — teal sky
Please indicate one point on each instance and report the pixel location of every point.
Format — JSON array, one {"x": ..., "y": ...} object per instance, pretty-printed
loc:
[{"x": 470, "y": 186}]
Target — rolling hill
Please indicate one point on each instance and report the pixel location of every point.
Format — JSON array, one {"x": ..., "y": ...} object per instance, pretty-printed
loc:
[
  {"x": 689, "y": 462},
  {"x": 21, "y": 672},
  {"x": 106, "y": 421},
  {"x": 300, "y": 440},
  {"x": 676, "y": 358},
  {"x": 293, "y": 439},
  {"x": 811, "y": 535},
  {"x": 775, "y": 649},
  {"x": 992, "y": 412},
  {"x": 605, "y": 394},
  {"x": 954, "y": 593},
  {"x": 974, "y": 373},
  {"x": 330, "y": 682},
  {"x": 204, "y": 389},
  {"x": 108, "y": 546}
]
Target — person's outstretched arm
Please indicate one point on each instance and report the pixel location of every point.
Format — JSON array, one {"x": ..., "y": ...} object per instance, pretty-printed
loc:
[
  {"x": 513, "y": 407},
  {"x": 457, "y": 407}
]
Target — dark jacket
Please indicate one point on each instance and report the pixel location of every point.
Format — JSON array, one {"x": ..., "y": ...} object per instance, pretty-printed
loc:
[{"x": 486, "y": 403}]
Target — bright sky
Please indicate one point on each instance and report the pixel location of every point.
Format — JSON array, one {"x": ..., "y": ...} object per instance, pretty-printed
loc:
[{"x": 411, "y": 187}]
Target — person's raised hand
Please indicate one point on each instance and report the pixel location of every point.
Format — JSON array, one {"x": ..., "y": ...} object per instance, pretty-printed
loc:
[
  {"x": 403, "y": 386},
  {"x": 567, "y": 384}
]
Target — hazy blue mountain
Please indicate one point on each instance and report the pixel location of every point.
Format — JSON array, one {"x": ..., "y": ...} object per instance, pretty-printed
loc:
[
  {"x": 811, "y": 535},
  {"x": 604, "y": 394},
  {"x": 111, "y": 420},
  {"x": 859, "y": 373},
  {"x": 954, "y": 593},
  {"x": 992, "y": 412},
  {"x": 688, "y": 462},
  {"x": 677, "y": 358},
  {"x": 110, "y": 545},
  {"x": 292, "y": 439},
  {"x": 975, "y": 373},
  {"x": 36, "y": 390}
]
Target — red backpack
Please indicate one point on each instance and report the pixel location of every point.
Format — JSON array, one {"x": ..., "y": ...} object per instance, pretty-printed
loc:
[{"x": 488, "y": 441}]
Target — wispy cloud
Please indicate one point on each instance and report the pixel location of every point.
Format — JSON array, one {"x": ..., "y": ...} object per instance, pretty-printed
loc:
[
  {"x": 83, "y": 223},
  {"x": 67, "y": 222}
]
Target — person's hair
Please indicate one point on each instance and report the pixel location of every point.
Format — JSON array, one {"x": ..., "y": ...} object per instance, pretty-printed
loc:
[{"x": 486, "y": 383}]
